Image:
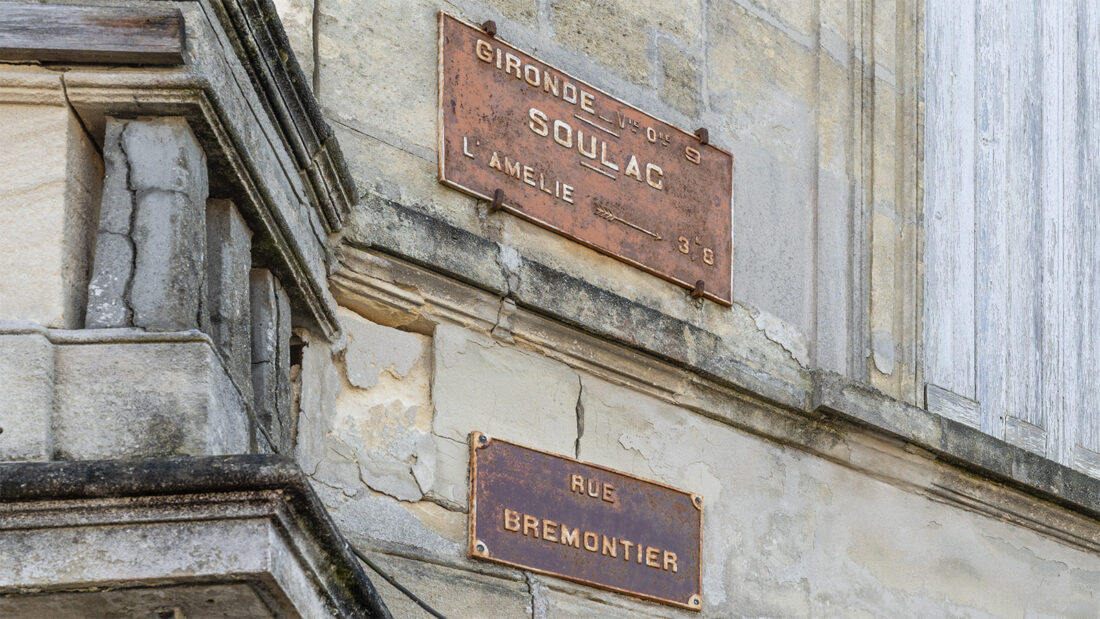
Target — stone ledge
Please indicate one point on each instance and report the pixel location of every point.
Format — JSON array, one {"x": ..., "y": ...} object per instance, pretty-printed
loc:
[
  {"x": 957, "y": 443},
  {"x": 404, "y": 232},
  {"x": 393, "y": 229},
  {"x": 291, "y": 548}
]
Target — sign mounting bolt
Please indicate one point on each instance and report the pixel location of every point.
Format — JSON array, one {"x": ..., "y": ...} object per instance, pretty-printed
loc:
[
  {"x": 490, "y": 28},
  {"x": 703, "y": 135},
  {"x": 498, "y": 201},
  {"x": 699, "y": 290},
  {"x": 481, "y": 548}
]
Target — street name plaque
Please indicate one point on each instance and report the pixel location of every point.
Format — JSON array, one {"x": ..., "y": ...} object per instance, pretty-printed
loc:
[
  {"x": 560, "y": 516},
  {"x": 551, "y": 149}
]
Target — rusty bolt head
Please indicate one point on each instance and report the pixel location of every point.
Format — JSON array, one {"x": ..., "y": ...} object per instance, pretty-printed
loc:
[
  {"x": 700, "y": 287},
  {"x": 490, "y": 27},
  {"x": 703, "y": 135},
  {"x": 498, "y": 201}
]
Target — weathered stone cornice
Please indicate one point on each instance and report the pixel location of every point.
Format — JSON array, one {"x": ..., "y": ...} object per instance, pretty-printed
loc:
[
  {"x": 409, "y": 269},
  {"x": 189, "y": 494}
]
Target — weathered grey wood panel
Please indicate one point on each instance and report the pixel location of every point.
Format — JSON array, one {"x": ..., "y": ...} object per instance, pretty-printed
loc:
[
  {"x": 1013, "y": 119},
  {"x": 949, "y": 198},
  {"x": 991, "y": 198},
  {"x": 58, "y": 33},
  {"x": 1086, "y": 160}
]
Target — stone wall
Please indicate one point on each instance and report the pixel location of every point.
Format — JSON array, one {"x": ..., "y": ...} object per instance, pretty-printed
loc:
[
  {"x": 817, "y": 105},
  {"x": 786, "y": 532}
]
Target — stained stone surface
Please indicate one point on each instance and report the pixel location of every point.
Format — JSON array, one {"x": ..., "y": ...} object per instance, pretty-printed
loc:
[
  {"x": 148, "y": 269},
  {"x": 48, "y": 201},
  {"x": 271, "y": 323},
  {"x": 228, "y": 265}
]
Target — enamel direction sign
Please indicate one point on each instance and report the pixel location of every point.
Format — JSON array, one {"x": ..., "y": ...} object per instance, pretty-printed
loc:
[
  {"x": 556, "y": 515},
  {"x": 555, "y": 151}
]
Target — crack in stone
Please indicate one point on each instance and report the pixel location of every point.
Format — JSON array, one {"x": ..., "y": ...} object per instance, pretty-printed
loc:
[
  {"x": 132, "y": 193},
  {"x": 79, "y": 119},
  {"x": 580, "y": 418},
  {"x": 539, "y": 604}
]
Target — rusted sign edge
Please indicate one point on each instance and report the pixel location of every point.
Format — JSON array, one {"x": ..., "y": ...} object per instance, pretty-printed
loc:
[
  {"x": 518, "y": 212},
  {"x": 480, "y": 440}
]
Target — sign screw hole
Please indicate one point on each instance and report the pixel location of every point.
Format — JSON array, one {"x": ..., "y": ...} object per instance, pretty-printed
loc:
[{"x": 490, "y": 28}]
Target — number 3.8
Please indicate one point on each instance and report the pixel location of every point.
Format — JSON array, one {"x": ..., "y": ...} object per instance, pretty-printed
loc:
[{"x": 685, "y": 248}]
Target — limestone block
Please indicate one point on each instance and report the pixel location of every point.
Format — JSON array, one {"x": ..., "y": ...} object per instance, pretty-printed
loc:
[
  {"x": 377, "y": 78},
  {"x": 681, "y": 79},
  {"x": 617, "y": 33},
  {"x": 514, "y": 395},
  {"x": 297, "y": 18},
  {"x": 453, "y": 592},
  {"x": 52, "y": 179},
  {"x": 26, "y": 397},
  {"x": 403, "y": 177},
  {"x": 270, "y": 317},
  {"x": 796, "y": 17},
  {"x": 524, "y": 11},
  {"x": 372, "y": 349},
  {"x": 169, "y": 279},
  {"x": 370, "y": 518},
  {"x": 555, "y": 598},
  {"x": 228, "y": 268},
  {"x": 451, "y": 478},
  {"x": 107, "y": 306},
  {"x": 220, "y": 601},
  {"x": 607, "y": 32},
  {"x": 154, "y": 198},
  {"x": 132, "y": 399}
]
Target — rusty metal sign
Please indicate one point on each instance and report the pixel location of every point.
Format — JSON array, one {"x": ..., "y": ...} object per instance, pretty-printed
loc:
[
  {"x": 562, "y": 154},
  {"x": 556, "y": 515}
]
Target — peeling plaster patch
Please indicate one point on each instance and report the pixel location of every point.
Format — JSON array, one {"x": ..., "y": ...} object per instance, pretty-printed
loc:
[
  {"x": 510, "y": 258},
  {"x": 783, "y": 333},
  {"x": 512, "y": 263},
  {"x": 388, "y": 440}
]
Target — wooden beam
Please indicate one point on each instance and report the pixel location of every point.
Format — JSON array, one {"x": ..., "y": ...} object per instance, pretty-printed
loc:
[{"x": 87, "y": 34}]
